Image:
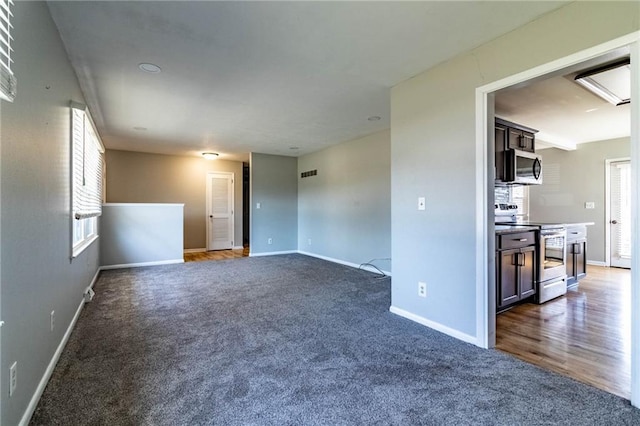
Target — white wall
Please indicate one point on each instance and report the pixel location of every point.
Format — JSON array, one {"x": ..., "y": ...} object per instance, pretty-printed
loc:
[
  {"x": 345, "y": 210},
  {"x": 274, "y": 185},
  {"x": 433, "y": 155},
  {"x": 37, "y": 274},
  {"x": 140, "y": 177},
  {"x": 579, "y": 176},
  {"x": 141, "y": 234}
]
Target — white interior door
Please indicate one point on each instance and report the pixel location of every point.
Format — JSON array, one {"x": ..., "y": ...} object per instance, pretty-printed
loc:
[
  {"x": 220, "y": 211},
  {"x": 620, "y": 213}
]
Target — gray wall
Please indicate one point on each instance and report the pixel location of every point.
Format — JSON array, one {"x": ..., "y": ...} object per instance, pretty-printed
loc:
[
  {"x": 274, "y": 185},
  {"x": 141, "y": 233},
  {"x": 136, "y": 177},
  {"x": 572, "y": 178},
  {"x": 433, "y": 154},
  {"x": 37, "y": 274},
  {"x": 346, "y": 209}
]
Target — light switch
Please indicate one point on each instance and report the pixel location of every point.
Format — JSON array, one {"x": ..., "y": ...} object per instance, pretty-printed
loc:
[
  {"x": 421, "y": 203},
  {"x": 257, "y": 205},
  {"x": 589, "y": 205}
]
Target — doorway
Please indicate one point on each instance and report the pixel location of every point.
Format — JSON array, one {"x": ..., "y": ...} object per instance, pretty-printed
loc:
[
  {"x": 485, "y": 260},
  {"x": 220, "y": 223},
  {"x": 619, "y": 213}
]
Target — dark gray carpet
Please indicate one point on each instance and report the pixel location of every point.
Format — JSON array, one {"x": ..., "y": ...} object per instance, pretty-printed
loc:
[{"x": 289, "y": 340}]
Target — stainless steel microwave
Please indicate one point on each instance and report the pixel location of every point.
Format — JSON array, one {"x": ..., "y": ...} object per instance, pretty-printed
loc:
[{"x": 522, "y": 167}]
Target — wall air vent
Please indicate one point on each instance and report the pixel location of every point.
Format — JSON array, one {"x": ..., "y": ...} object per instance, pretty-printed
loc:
[{"x": 309, "y": 173}]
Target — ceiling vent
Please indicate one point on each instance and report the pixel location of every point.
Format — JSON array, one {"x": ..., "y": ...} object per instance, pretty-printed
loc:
[{"x": 612, "y": 82}]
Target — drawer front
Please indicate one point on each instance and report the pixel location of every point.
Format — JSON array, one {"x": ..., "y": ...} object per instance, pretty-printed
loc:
[
  {"x": 576, "y": 233},
  {"x": 516, "y": 240}
]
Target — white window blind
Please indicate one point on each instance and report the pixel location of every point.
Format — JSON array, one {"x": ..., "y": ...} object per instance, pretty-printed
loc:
[
  {"x": 622, "y": 196},
  {"x": 7, "y": 79},
  {"x": 87, "y": 166}
]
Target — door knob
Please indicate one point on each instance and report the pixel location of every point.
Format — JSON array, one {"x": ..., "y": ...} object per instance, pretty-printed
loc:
[
  {"x": 614, "y": 222},
  {"x": 211, "y": 216}
]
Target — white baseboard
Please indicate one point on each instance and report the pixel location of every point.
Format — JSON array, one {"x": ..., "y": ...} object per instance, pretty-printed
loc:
[
  {"x": 136, "y": 265},
  {"x": 434, "y": 325},
  {"x": 196, "y": 250},
  {"x": 344, "y": 262},
  {"x": 272, "y": 253},
  {"x": 238, "y": 247},
  {"x": 33, "y": 403},
  {"x": 596, "y": 263}
]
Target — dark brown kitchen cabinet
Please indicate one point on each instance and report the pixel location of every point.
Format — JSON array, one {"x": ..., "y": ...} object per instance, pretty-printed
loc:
[
  {"x": 521, "y": 139},
  {"x": 508, "y": 136},
  {"x": 515, "y": 275},
  {"x": 576, "y": 254}
]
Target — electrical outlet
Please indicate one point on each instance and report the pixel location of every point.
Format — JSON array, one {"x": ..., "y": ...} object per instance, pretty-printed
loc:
[
  {"x": 13, "y": 377},
  {"x": 422, "y": 289},
  {"x": 257, "y": 205},
  {"x": 589, "y": 205},
  {"x": 53, "y": 319},
  {"x": 422, "y": 203},
  {"x": 309, "y": 241},
  {"x": 270, "y": 241}
]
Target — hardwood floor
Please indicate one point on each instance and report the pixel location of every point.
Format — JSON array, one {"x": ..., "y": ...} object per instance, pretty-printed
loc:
[
  {"x": 216, "y": 255},
  {"x": 584, "y": 335}
]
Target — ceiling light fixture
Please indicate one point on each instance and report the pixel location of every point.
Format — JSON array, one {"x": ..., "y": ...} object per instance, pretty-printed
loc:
[
  {"x": 611, "y": 82},
  {"x": 373, "y": 118},
  {"x": 210, "y": 155},
  {"x": 150, "y": 68}
]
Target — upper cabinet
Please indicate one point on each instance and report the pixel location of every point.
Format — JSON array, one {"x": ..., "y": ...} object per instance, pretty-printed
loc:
[
  {"x": 515, "y": 159},
  {"x": 515, "y": 136}
]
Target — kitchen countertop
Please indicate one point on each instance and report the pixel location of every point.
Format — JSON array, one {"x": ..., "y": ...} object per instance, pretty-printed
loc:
[
  {"x": 509, "y": 229},
  {"x": 536, "y": 224}
]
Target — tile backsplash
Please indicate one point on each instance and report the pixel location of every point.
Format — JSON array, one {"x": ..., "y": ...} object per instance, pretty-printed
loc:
[{"x": 502, "y": 194}]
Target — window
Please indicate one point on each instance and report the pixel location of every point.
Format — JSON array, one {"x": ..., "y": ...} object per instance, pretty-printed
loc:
[
  {"x": 86, "y": 178},
  {"x": 7, "y": 79}
]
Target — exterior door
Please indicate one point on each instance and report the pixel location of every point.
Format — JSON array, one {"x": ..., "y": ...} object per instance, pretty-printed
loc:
[
  {"x": 220, "y": 211},
  {"x": 620, "y": 213}
]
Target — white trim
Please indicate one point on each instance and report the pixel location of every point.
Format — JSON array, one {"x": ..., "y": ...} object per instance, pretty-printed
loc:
[
  {"x": 137, "y": 265},
  {"x": 482, "y": 288},
  {"x": 434, "y": 325},
  {"x": 237, "y": 248},
  {"x": 195, "y": 250},
  {"x": 33, "y": 403},
  {"x": 272, "y": 253},
  {"x": 596, "y": 263},
  {"x": 343, "y": 262},
  {"x": 83, "y": 246},
  {"x": 635, "y": 223},
  {"x": 142, "y": 204}
]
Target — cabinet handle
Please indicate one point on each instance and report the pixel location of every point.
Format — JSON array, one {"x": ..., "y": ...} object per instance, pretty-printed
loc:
[{"x": 522, "y": 240}]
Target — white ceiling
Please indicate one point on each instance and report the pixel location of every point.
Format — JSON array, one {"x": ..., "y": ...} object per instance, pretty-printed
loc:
[
  {"x": 565, "y": 113},
  {"x": 262, "y": 76}
]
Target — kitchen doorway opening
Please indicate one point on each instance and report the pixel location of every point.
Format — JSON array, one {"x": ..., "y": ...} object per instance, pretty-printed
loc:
[{"x": 485, "y": 260}]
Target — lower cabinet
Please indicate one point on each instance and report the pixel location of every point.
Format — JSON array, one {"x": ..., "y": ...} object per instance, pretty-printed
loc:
[
  {"x": 576, "y": 254},
  {"x": 515, "y": 275}
]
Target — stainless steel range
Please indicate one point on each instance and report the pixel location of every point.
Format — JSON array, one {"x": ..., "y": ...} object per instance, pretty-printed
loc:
[{"x": 552, "y": 252}]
